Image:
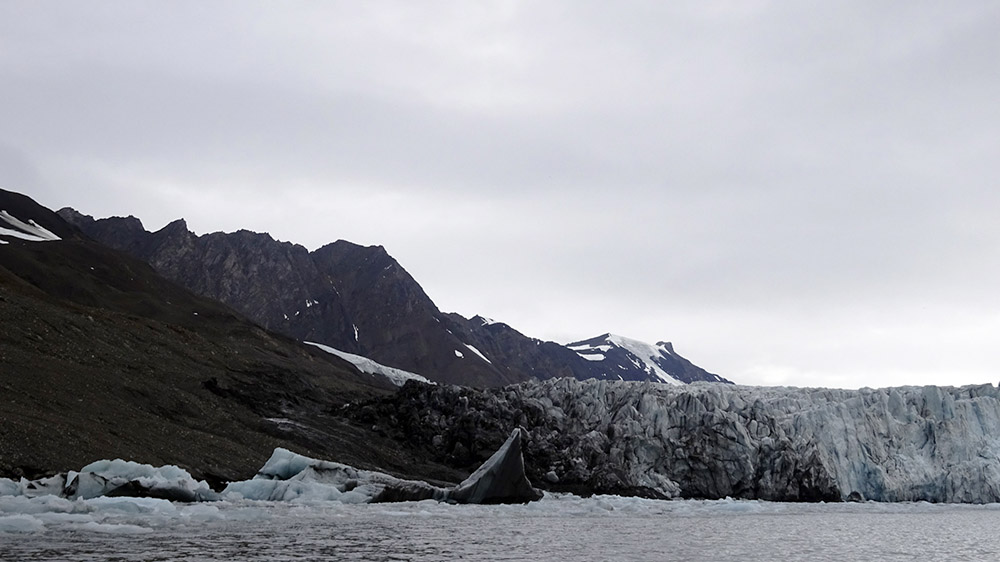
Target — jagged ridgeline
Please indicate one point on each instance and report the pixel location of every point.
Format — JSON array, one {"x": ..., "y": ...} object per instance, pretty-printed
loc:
[
  {"x": 102, "y": 358},
  {"x": 359, "y": 300}
]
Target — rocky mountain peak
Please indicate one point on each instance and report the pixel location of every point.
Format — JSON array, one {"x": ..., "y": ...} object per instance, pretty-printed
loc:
[
  {"x": 360, "y": 300},
  {"x": 621, "y": 358}
]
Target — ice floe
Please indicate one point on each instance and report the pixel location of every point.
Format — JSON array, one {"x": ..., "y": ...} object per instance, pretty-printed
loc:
[{"x": 84, "y": 499}]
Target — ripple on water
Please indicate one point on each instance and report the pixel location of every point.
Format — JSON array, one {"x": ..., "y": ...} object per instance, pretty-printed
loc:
[{"x": 557, "y": 528}]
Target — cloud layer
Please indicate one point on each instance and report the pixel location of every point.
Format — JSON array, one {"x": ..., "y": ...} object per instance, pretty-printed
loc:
[{"x": 793, "y": 193}]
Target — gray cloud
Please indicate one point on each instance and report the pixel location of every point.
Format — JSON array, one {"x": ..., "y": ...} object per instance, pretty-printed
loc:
[{"x": 794, "y": 193}]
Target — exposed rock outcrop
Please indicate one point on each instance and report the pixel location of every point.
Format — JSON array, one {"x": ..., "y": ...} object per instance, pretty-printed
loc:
[
  {"x": 358, "y": 300},
  {"x": 101, "y": 357}
]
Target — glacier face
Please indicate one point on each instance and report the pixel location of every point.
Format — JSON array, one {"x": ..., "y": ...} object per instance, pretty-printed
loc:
[{"x": 938, "y": 444}]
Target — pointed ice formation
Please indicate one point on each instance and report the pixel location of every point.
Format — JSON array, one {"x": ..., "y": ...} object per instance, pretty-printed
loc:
[
  {"x": 500, "y": 479},
  {"x": 289, "y": 476}
]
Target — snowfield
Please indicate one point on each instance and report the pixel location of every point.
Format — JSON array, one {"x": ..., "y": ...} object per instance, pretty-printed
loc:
[
  {"x": 29, "y": 231},
  {"x": 398, "y": 377}
]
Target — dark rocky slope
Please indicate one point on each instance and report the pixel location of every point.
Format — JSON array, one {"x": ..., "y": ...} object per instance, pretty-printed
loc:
[
  {"x": 100, "y": 357},
  {"x": 356, "y": 299}
]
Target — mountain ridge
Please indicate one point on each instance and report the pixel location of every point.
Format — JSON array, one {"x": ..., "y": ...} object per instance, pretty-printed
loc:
[
  {"x": 356, "y": 299},
  {"x": 104, "y": 358}
]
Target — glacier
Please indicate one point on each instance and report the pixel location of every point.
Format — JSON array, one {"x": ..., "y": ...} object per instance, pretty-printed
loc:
[
  {"x": 710, "y": 440},
  {"x": 703, "y": 441}
]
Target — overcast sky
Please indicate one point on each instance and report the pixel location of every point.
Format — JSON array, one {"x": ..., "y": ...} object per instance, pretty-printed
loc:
[{"x": 793, "y": 193}]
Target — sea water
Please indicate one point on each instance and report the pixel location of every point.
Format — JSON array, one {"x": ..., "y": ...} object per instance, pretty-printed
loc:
[{"x": 565, "y": 528}]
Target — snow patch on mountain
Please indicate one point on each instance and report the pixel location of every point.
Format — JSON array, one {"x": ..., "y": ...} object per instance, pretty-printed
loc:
[
  {"x": 641, "y": 355},
  {"x": 588, "y": 347},
  {"x": 479, "y": 353},
  {"x": 398, "y": 377},
  {"x": 30, "y": 231}
]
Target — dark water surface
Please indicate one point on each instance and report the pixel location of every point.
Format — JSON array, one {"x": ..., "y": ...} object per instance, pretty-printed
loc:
[{"x": 566, "y": 528}]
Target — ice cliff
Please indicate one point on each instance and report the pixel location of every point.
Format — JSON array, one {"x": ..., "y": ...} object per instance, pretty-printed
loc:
[{"x": 937, "y": 444}]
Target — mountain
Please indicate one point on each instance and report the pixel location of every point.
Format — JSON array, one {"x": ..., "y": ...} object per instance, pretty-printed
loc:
[
  {"x": 526, "y": 358},
  {"x": 101, "y": 357},
  {"x": 358, "y": 300},
  {"x": 623, "y": 358},
  {"x": 352, "y": 298}
]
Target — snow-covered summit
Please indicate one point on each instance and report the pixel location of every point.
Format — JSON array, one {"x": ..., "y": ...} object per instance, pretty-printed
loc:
[{"x": 625, "y": 358}]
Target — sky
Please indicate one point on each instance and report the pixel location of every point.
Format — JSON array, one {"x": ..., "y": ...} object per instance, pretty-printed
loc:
[{"x": 793, "y": 193}]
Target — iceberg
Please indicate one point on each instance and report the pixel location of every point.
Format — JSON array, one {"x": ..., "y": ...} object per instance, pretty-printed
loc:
[
  {"x": 286, "y": 476},
  {"x": 115, "y": 478},
  {"x": 501, "y": 479}
]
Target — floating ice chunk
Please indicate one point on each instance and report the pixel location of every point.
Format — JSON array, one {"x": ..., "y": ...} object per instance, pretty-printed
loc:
[
  {"x": 459, "y": 354},
  {"x": 20, "y": 524},
  {"x": 281, "y": 490},
  {"x": 114, "y": 528},
  {"x": 128, "y": 505},
  {"x": 288, "y": 476},
  {"x": 284, "y": 464},
  {"x": 8, "y": 487},
  {"x": 127, "y": 478},
  {"x": 52, "y": 486}
]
